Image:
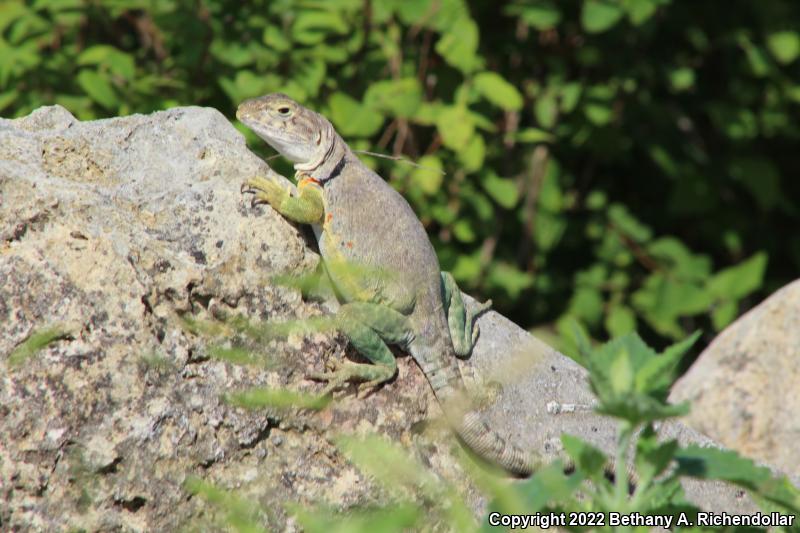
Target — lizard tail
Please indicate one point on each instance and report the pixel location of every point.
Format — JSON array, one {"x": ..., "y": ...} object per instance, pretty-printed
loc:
[
  {"x": 482, "y": 439},
  {"x": 440, "y": 367}
]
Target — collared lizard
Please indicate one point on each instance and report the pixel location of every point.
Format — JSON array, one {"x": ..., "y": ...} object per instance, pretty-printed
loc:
[{"x": 361, "y": 221}]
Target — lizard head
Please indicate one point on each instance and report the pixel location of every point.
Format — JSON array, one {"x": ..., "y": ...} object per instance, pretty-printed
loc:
[{"x": 298, "y": 134}]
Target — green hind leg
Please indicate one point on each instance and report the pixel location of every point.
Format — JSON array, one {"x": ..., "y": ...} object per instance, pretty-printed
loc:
[
  {"x": 461, "y": 321},
  {"x": 368, "y": 327}
]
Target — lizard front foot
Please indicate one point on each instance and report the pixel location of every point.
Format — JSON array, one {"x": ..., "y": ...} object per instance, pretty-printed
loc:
[{"x": 265, "y": 190}]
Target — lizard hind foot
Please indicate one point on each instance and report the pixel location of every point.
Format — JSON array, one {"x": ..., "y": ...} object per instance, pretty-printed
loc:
[{"x": 369, "y": 376}]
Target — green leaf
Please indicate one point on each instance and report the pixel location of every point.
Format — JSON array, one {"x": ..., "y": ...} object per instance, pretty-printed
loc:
[
  {"x": 7, "y": 98},
  {"x": 275, "y": 39},
  {"x": 639, "y": 11},
  {"x": 533, "y": 135},
  {"x": 626, "y": 223},
  {"x": 98, "y": 88},
  {"x": 738, "y": 281},
  {"x": 570, "y": 94},
  {"x": 473, "y": 155},
  {"x": 761, "y": 178},
  {"x": 455, "y": 126},
  {"x": 428, "y": 176},
  {"x": 723, "y": 314},
  {"x": 312, "y": 27},
  {"x": 620, "y": 320},
  {"x": 502, "y": 190},
  {"x": 586, "y": 303},
  {"x": 115, "y": 60},
  {"x": 548, "y": 485},
  {"x": 652, "y": 456},
  {"x": 463, "y": 231},
  {"x": 540, "y": 14},
  {"x": 598, "y": 114},
  {"x": 546, "y": 110},
  {"x": 590, "y": 460},
  {"x": 678, "y": 260},
  {"x": 549, "y": 230},
  {"x": 727, "y": 465},
  {"x": 459, "y": 45},
  {"x": 509, "y": 278},
  {"x": 467, "y": 268},
  {"x": 263, "y": 397},
  {"x": 498, "y": 91},
  {"x": 784, "y": 45},
  {"x": 681, "y": 79},
  {"x": 351, "y": 118},
  {"x": 400, "y": 98},
  {"x": 757, "y": 59},
  {"x": 37, "y": 341},
  {"x": 600, "y": 15}
]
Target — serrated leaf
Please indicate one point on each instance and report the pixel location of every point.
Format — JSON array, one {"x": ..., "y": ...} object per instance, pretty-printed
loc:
[
  {"x": 656, "y": 374},
  {"x": 727, "y": 465},
  {"x": 498, "y": 91},
  {"x": 600, "y": 15}
]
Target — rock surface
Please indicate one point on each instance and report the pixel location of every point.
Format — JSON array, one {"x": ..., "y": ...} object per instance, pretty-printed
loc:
[
  {"x": 745, "y": 387},
  {"x": 116, "y": 232}
]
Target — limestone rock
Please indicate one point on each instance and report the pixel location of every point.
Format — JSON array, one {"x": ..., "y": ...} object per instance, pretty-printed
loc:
[
  {"x": 745, "y": 387},
  {"x": 118, "y": 234}
]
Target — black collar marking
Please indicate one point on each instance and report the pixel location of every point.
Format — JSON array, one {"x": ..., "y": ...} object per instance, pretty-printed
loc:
[{"x": 336, "y": 170}]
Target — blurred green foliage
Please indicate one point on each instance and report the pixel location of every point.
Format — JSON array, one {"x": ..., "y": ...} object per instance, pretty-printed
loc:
[
  {"x": 623, "y": 163},
  {"x": 631, "y": 382}
]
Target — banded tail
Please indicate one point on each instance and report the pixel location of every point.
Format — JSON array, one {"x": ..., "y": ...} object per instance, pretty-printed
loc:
[{"x": 438, "y": 363}]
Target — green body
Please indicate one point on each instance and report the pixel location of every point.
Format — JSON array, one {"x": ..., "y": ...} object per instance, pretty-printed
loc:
[{"x": 381, "y": 262}]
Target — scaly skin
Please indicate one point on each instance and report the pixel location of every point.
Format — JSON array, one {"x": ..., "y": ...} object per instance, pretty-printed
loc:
[{"x": 362, "y": 223}]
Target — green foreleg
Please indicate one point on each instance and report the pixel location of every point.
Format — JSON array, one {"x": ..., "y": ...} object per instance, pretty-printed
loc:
[{"x": 306, "y": 207}]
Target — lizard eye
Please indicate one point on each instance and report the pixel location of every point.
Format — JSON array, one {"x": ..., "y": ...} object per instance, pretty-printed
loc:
[{"x": 285, "y": 111}]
